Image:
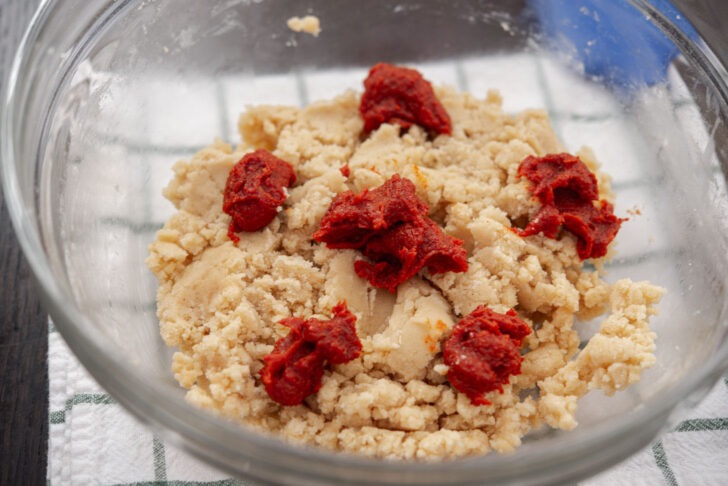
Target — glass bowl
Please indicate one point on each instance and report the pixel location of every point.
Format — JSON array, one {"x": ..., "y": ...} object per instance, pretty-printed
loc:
[{"x": 106, "y": 95}]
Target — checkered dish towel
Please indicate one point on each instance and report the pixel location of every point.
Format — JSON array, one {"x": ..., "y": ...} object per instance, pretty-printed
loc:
[{"x": 93, "y": 440}]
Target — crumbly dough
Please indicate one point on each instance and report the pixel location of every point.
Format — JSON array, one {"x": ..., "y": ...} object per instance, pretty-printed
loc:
[
  {"x": 219, "y": 302},
  {"x": 309, "y": 24}
]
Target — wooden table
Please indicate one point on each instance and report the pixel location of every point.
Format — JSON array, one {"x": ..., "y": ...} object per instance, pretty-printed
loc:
[{"x": 23, "y": 323}]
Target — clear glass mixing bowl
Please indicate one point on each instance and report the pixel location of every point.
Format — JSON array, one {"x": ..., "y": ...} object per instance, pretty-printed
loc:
[{"x": 105, "y": 95}]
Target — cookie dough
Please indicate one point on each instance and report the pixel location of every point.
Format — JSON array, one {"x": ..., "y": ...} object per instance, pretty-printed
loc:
[{"x": 219, "y": 302}]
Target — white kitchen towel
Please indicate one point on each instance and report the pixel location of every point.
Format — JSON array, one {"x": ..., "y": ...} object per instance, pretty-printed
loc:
[{"x": 94, "y": 441}]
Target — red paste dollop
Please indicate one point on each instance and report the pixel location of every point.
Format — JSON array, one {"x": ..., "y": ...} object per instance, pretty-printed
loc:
[
  {"x": 391, "y": 227},
  {"x": 295, "y": 367},
  {"x": 483, "y": 352},
  {"x": 255, "y": 191},
  {"x": 568, "y": 192},
  {"x": 394, "y": 94}
]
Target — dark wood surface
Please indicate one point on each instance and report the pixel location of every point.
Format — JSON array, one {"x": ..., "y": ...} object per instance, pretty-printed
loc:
[{"x": 23, "y": 323}]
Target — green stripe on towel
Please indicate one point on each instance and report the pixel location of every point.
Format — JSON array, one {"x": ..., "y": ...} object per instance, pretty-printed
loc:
[
  {"x": 699, "y": 425},
  {"x": 661, "y": 459},
  {"x": 59, "y": 416}
]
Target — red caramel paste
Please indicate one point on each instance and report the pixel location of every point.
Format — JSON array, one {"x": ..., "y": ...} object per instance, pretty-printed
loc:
[
  {"x": 483, "y": 352},
  {"x": 568, "y": 192},
  {"x": 394, "y": 94},
  {"x": 391, "y": 227},
  {"x": 255, "y": 191},
  {"x": 295, "y": 367}
]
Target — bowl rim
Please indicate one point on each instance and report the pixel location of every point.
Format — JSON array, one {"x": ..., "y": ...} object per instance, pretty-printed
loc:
[{"x": 180, "y": 422}]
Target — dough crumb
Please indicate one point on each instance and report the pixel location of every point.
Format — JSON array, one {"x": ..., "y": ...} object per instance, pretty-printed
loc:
[{"x": 309, "y": 24}]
